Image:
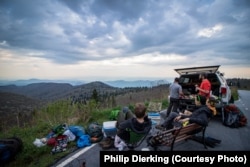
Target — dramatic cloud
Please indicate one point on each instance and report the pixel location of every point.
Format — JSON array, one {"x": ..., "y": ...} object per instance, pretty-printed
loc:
[{"x": 122, "y": 39}]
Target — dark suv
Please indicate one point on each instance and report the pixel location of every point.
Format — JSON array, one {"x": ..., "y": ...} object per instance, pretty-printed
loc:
[{"x": 189, "y": 77}]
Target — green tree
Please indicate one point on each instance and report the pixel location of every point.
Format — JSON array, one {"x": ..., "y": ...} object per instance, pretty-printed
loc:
[
  {"x": 95, "y": 95},
  {"x": 113, "y": 101}
]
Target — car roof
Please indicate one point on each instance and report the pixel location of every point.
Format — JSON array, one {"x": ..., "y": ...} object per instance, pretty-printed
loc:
[{"x": 197, "y": 70}]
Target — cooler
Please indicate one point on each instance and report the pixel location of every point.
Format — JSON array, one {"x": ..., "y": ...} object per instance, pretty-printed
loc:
[
  {"x": 109, "y": 128},
  {"x": 154, "y": 116}
]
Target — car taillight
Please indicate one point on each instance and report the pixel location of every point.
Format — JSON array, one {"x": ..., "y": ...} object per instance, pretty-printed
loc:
[{"x": 223, "y": 90}]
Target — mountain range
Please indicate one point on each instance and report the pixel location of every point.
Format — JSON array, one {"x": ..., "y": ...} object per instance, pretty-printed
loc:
[
  {"x": 115, "y": 83},
  {"x": 48, "y": 90}
]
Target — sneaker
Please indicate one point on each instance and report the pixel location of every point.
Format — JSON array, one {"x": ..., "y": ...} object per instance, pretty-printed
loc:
[
  {"x": 125, "y": 110},
  {"x": 120, "y": 148},
  {"x": 145, "y": 149},
  {"x": 108, "y": 144},
  {"x": 105, "y": 141}
]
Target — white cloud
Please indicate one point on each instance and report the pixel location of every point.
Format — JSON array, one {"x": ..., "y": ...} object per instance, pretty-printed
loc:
[
  {"x": 3, "y": 43},
  {"x": 209, "y": 32}
]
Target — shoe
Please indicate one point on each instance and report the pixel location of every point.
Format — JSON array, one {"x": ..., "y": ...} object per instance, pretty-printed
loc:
[
  {"x": 108, "y": 144},
  {"x": 120, "y": 148},
  {"x": 104, "y": 141}
]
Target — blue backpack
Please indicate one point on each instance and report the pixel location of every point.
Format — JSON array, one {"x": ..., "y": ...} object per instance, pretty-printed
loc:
[{"x": 83, "y": 141}]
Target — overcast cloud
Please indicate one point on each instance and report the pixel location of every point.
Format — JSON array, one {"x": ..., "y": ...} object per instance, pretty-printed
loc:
[{"x": 122, "y": 39}]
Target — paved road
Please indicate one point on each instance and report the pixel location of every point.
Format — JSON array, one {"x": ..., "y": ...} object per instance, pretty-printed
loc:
[{"x": 232, "y": 139}]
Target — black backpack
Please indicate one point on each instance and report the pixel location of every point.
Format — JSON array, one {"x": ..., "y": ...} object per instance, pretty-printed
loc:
[
  {"x": 94, "y": 130},
  {"x": 231, "y": 119},
  {"x": 234, "y": 117},
  {"x": 9, "y": 148}
]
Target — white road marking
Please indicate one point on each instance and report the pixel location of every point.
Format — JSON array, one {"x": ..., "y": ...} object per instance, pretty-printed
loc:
[{"x": 75, "y": 156}]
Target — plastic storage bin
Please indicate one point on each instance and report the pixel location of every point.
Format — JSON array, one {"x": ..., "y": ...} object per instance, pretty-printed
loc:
[{"x": 109, "y": 128}]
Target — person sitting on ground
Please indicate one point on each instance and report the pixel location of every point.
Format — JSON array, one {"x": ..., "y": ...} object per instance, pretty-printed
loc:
[
  {"x": 200, "y": 115},
  {"x": 140, "y": 123}
]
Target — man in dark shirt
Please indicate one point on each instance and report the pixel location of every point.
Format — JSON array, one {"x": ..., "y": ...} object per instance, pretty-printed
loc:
[{"x": 200, "y": 115}]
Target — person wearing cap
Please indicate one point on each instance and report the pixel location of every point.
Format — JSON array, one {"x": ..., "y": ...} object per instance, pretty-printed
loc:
[
  {"x": 205, "y": 86},
  {"x": 175, "y": 91}
]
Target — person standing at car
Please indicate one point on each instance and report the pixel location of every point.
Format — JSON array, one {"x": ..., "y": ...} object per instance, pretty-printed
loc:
[
  {"x": 175, "y": 91},
  {"x": 205, "y": 86}
]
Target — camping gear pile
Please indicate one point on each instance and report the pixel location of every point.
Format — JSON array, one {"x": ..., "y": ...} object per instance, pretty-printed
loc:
[{"x": 59, "y": 137}]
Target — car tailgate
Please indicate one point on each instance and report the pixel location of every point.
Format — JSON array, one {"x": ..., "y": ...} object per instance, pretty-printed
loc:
[{"x": 194, "y": 70}]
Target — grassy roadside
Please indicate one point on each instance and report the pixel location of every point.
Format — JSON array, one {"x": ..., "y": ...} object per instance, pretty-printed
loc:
[{"x": 44, "y": 121}]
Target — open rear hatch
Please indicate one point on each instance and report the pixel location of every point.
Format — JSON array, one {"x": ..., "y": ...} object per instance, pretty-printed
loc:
[{"x": 195, "y": 70}]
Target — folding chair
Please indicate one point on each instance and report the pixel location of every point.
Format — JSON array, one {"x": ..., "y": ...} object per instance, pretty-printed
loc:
[{"x": 135, "y": 139}]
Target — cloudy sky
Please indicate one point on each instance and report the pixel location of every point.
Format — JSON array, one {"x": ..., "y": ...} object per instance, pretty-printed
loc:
[{"x": 122, "y": 39}]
